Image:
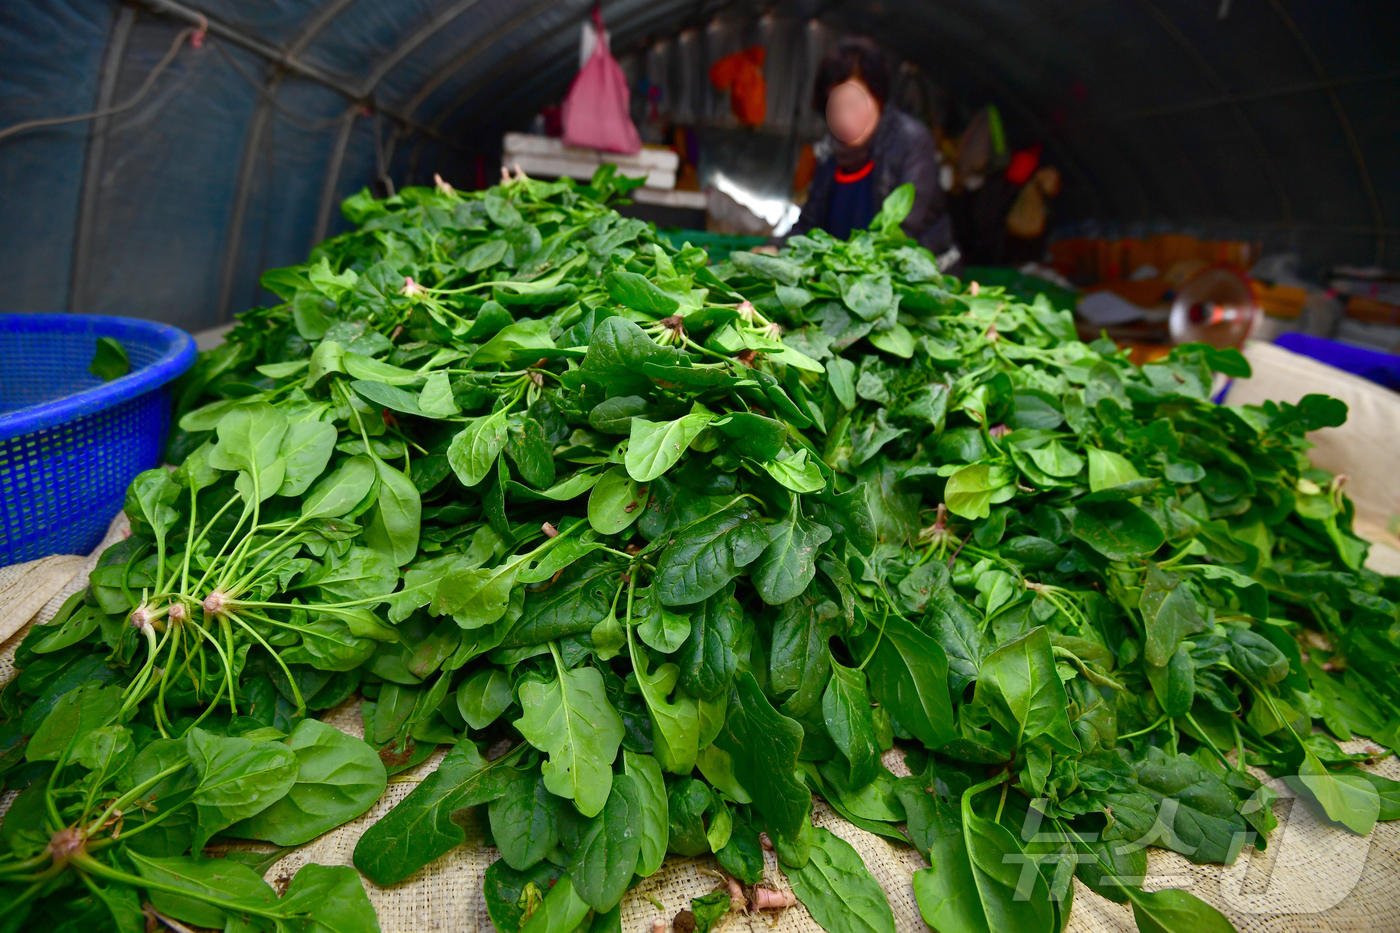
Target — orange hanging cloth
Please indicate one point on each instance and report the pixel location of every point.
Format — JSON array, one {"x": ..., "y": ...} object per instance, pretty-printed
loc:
[{"x": 741, "y": 74}]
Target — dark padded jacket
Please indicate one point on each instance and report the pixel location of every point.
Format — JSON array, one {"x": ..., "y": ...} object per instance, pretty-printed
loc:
[{"x": 904, "y": 151}]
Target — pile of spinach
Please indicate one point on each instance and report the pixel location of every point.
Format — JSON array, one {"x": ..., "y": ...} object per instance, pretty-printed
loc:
[{"x": 661, "y": 549}]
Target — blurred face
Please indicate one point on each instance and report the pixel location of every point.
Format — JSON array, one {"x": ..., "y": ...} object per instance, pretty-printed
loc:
[{"x": 852, "y": 112}]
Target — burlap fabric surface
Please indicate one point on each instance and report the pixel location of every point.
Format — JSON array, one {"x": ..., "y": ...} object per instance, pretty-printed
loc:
[{"x": 1365, "y": 449}]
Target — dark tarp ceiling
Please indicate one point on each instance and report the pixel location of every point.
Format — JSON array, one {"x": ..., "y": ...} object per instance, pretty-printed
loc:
[{"x": 1275, "y": 119}]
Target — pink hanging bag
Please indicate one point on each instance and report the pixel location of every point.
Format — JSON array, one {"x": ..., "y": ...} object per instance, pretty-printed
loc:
[{"x": 596, "y": 114}]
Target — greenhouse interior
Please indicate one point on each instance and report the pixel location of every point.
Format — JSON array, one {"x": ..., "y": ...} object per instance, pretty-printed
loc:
[{"x": 647, "y": 466}]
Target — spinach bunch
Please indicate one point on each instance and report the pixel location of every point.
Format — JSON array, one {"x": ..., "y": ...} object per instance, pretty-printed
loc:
[
  {"x": 111, "y": 809},
  {"x": 1124, "y": 580},
  {"x": 660, "y": 549}
]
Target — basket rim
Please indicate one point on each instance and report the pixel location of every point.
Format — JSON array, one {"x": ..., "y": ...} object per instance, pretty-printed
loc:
[{"x": 180, "y": 354}]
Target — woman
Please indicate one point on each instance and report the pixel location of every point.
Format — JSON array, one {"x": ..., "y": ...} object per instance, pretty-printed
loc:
[{"x": 883, "y": 149}]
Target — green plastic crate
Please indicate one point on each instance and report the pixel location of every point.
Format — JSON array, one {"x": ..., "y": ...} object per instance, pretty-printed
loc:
[
  {"x": 718, "y": 245},
  {"x": 1023, "y": 286}
]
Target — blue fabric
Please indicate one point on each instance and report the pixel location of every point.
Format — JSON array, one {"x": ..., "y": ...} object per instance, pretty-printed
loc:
[
  {"x": 161, "y": 224},
  {"x": 51, "y": 54},
  {"x": 1375, "y": 365},
  {"x": 852, "y": 206}
]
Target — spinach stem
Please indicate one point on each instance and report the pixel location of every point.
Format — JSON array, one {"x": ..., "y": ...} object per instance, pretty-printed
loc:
[
  {"x": 153, "y": 821},
  {"x": 86, "y": 863},
  {"x": 247, "y": 580},
  {"x": 235, "y": 561},
  {"x": 28, "y": 894},
  {"x": 207, "y": 710},
  {"x": 1197, "y": 726},
  {"x": 159, "y": 533},
  {"x": 987, "y": 555},
  {"x": 1151, "y": 728},
  {"x": 204, "y": 532},
  {"x": 884, "y": 618},
  {"x": 185, "y": 669},
  {"x": 126, "y": 574},
  {"x": 136, "y": 690},
  {"x": 189, "y": 538},
  {"x": 134, "y": 793},
  {"x": 50, "y": 801},
  {"x": 976, "y": 789},
  {"x": 228, "y": 668},
  {"x": 296, "y": 690},
  {"x": 53, "y": 871},
  {"x": 706, "y": 351},
  {"x": 227, "y": 626},
  {"x": 1172, "y": 561},
  {"x": 1104, "y": 867},
  {"x": 1260, "y": 691},
  {"x": 24, "y": 865},
  {"x": 238, "y": 526},
  {"x": 622, "y": 584},
  {"x": 348, "y": 604}
]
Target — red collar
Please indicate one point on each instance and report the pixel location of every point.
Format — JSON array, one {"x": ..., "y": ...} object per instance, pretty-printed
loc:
[{"x": 847, "y": 177}]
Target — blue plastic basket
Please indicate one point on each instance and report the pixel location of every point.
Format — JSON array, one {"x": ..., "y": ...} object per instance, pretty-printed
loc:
[{"x": 70, "y": 444}]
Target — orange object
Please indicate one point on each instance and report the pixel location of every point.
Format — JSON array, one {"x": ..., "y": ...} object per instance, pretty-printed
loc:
[
  {"x": 806, "y": 169},
  {"x": 1174, "y": 255},
  {"x": 1145, "y": 293},
  {"x": 1110, "y": 260},
  {"x": 1137, "y": 254},
  {"x": 741, "y": 74},
  {"x": 1172, "y": 248},
  {"x": 1073, "y": 258},
  {"x": 1361, "y": 308},
  {"x": 1283, "y": 301},
  {"x": 1143, "y": 353}
]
